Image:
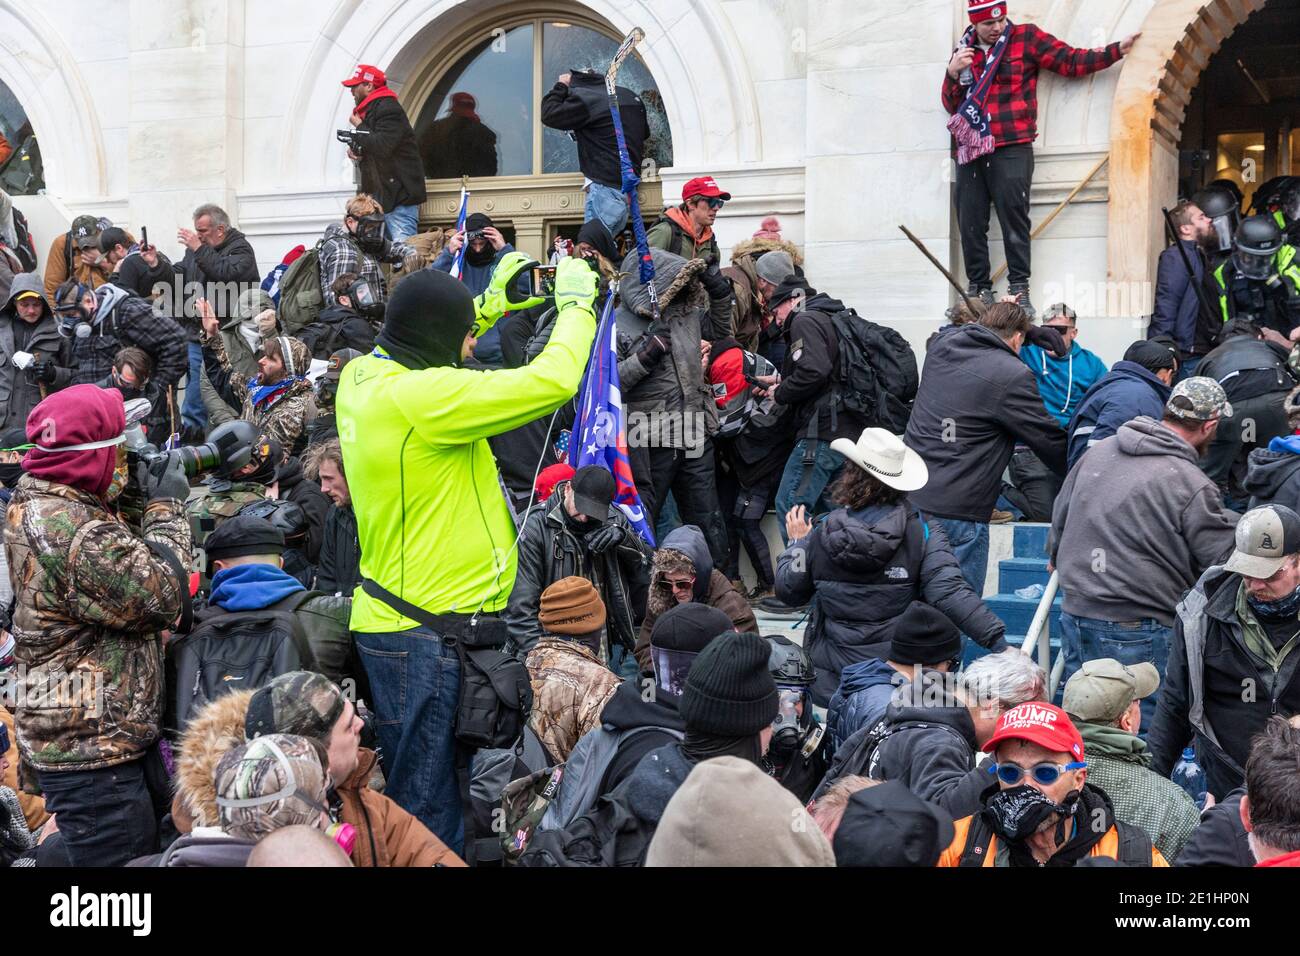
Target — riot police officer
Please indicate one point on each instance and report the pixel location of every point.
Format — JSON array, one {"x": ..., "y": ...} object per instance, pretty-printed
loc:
[{"x": 1261, "y": 280}]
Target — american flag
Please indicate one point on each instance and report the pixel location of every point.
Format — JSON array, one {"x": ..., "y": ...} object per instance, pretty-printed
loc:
[
  {"x": 599, "y": 432},
  {"x": 460, "y": 227}
]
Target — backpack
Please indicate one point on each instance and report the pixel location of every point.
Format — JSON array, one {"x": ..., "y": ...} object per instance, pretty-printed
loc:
[
  {"x": 323, "y": 339},
  {"x": 240, "y": 650},
  {"x": 301, "y": 297},
  {"x": 585, "y": 773},
  {"x": 861, "y": 756},
  {"x": 26, "y": 247},
  {"x": 876, "y": 375}
]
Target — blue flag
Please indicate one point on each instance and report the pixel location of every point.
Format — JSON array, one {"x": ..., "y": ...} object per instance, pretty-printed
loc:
[
  {"x": 459, "y": 262},
  {"x": 599, "y": 432}
]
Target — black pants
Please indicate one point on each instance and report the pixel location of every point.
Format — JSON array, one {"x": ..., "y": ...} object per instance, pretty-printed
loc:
[
  {"x": 1254, "y": 423},
  {"x": 743, "y": 510},
  {"x": 107, "y": 817},
  {"x": 1033, "y": 487},
  {"x": 1002, "y": 178},
  {"x": 694, "y": 486}
]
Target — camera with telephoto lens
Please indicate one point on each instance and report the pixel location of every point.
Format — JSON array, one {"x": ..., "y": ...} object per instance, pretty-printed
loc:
[
  {"x": 355, "y": 138},
  {"x": 229, "y": 447}
]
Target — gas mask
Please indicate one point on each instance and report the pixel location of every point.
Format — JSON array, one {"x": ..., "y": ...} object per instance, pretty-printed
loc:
[
  {"x": 75, "y": 320},
  {"x": 1017, "y": 813},
  {"x": 670, "y": 669},
  {"x": 789, "y": 726},
  {"x": 326, "y": 389},
  {"x": 365, "y": 299},
  {"x": 370, "y": 233},
  {"x": 1253, "y": 265}
]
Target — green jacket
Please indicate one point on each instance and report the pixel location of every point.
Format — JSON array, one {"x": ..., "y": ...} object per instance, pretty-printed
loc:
[
  {"x": 432, "y": 521},
  {"x": 1119, "y": 764}
]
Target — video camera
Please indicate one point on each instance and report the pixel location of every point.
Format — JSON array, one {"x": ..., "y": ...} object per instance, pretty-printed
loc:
[
  {"x": 229, "y": 447},
  {"x": 354, "y": 138}
]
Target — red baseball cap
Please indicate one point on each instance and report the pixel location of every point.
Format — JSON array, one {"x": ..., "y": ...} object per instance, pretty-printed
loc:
[
  {"x": 704, "y": 186},
  {"x": 1040, "y": 723},
  {"x": 366, "y": 74},
  {"x": 981, "y": 10}
]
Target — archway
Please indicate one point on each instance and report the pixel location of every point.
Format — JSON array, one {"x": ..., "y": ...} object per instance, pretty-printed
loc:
[{"x": 1147, "y": 115}]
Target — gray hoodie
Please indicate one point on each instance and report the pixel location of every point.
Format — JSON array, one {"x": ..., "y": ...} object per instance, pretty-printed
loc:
[{"x": 1135, "y": 525}]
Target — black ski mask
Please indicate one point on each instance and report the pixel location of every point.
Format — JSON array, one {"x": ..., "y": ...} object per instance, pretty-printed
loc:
[
  {"x": 477, "y": 222},
  {"x": 426, "y": 320}
]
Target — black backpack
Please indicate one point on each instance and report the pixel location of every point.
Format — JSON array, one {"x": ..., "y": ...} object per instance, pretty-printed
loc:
[
  {"x": 25, "y": 249},
  {"x": 876, "y": 376},
  {"x": 230, "y": 651}
]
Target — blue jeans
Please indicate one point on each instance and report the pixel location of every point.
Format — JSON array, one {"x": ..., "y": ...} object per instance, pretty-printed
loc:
[
  {"x": 607, "y": 204},
  {"x": 402, "y": 223},
  {"x": 825, "y": 466},
  {"x": 106, "y": 817},
  {"x": 970, "y": 545},
  {"x": 415, "y": 681},
  {"x": 1129, "y": 642},
  {"x": 1188, "y": 368},
  {"x": 192, "y": 412}
]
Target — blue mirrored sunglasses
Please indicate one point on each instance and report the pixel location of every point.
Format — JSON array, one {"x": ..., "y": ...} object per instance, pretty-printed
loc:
[{"x": 1044, "y": 773}]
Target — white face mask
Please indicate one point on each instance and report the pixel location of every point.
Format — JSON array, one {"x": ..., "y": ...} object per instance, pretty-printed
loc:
[{"x": 248, "y": 330}]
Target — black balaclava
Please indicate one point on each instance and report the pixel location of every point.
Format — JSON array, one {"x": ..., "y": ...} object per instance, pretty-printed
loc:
[
  {"x": 697, "y": 746},
  {"x": 597, "y": 235},
  {"x": 427, "y": 319},
  {"x": 473, "y": 223}
]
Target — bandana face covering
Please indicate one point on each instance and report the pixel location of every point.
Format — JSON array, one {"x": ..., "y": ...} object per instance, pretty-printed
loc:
[
  {"x": 1288, "y": 606},
  {"x": 1017, "y": 813}
]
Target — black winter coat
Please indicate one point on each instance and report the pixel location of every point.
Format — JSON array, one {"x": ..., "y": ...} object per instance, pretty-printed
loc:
[
  {"x": 232, "y": 261},
  {"x": 976, "y": 400},
  {"x": 583, "y": 108},
  {"x": 550, "y": 549},
  {"x": 339, "y": 570},
  {"x": 1221, "y": 838},
  {"x": 391, "y": 170},
  {"x": 306, "y": 494},
  {"x": 864, "y": 568},
  {"x": 810, "y": 373}
]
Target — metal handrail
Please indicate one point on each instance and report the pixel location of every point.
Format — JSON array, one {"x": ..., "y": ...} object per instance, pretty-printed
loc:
[{"x": 1038, "y": 638}]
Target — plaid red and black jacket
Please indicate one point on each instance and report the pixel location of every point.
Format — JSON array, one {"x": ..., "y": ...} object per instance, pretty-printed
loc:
[{"x": 1013, "y": 98}]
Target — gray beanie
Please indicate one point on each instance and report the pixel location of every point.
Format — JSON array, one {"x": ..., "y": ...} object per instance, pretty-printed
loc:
[{"x": 774, "y": 267}]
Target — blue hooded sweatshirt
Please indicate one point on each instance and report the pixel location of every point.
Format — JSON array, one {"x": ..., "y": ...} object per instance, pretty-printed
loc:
[
  {"x": 251, "y": 587},
  {"x": 1125, "y": 392},
  {"x": 1062, "y": 382},
  {"x": 865, "y": 690}
]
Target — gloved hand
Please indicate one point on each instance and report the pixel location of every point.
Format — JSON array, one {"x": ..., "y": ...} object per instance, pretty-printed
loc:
[
  {"x": 1047, "y": 339},
  {"x": 715, "y": 283},
  {"x": 653, "y": 349},
  {"x": 495, "y": 301},
  {"x": 167, "y": 481},
  {"x": 610, "y": 536},
  {"x": 42, "y": 372},
  {"x": 575, "y": 285}
]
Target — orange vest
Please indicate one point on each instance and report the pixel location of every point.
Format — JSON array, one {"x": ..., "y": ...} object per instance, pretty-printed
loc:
[{"x": 1108, "y": 845}]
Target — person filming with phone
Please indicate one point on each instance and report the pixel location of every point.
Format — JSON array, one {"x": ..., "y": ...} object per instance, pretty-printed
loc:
[{"x": 484, "y": 247}]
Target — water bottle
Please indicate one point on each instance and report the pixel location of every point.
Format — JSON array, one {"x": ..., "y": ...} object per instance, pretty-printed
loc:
[
  {"x": 1031, "y": 592},
  {"x": 1189, "y": 775}
]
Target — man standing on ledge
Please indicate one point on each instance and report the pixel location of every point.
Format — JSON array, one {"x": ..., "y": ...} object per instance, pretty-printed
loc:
[
  {"x": 994, "y": 118},
  {"x": 434, "y": 526}
]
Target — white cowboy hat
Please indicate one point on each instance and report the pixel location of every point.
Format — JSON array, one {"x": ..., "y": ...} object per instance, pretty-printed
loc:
[{"x": 882, "y": 455}]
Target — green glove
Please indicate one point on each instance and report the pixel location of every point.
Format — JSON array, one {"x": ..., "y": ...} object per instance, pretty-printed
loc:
[
  {"x": 575, "y": 285},
  {"x": 495, "y": 301}
]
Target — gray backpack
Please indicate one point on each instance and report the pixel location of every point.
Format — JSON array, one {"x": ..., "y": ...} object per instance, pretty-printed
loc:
[{"x": 584, "y": 773}]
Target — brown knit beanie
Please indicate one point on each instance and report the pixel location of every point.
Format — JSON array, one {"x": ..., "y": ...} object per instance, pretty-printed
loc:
[{"x": 571, "y": 606}]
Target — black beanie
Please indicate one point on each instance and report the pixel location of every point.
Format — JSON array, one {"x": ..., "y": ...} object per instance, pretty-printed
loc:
[
  {"x": 791, "y": 287},
  {"x": 426, "y": 320},
  {"x": 242, "y": 535},
  {"x": 689, "y": 627},
  {"x": 924, "y": 636},
  {"x": 729, "y": 690},
  {"x": 477, "y": 221},
  {"x": 1152, "y": 356},
  {"x": 597, "y": 235}
]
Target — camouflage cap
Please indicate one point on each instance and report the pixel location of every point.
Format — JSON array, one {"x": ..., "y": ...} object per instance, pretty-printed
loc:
[
  {"x": 271, "y": 782},
  {"x": 299, "y": 702},
  {"x": 1198, "y": 399}
]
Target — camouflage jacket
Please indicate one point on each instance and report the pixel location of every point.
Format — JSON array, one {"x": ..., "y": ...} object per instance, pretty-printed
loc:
[
  {"x": 91, "y": 597},
  {"x": 570, "y": 688},
  {"x": 285, "y": 419}
]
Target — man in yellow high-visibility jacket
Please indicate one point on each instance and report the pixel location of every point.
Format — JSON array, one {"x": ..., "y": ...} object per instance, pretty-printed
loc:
[{"x": 434, "y": 527}]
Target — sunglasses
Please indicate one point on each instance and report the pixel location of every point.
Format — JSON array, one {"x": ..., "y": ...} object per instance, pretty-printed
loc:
[
  {"x": 683, "y": 585},
  {"x": 715, "y": 203},
  {"x": 1044, "y": 773}
]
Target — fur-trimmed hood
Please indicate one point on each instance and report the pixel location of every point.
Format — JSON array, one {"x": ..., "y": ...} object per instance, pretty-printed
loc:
[
  {"x": 215, "y": 729},
  {"x": 756, "y": 247},
  {"x": 674, "y": 277}
]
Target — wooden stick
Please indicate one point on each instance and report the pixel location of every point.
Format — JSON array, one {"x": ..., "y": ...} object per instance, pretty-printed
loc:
[{"x": 1001, "y": 270}]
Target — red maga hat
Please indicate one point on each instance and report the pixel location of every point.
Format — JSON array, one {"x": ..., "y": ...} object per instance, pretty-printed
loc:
[{"x": 366, "y": 74}]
